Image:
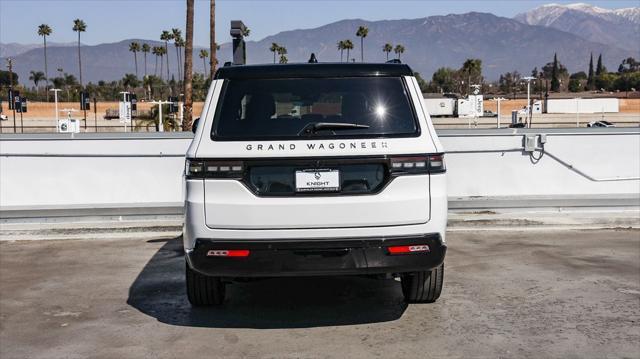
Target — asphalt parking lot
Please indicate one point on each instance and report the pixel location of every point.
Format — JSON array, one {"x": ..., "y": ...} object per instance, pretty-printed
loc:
[{"x": 507, "y": 294}]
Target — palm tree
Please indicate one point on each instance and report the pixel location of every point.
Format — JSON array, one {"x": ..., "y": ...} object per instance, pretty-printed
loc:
[
  {"x": 387, "y": 48},
  {"x": 152, "y": 83},
  {"x": 58, "y": 82},
  {"x": 399, "y": 50},
  {"x": 203, "y": 55},
  {"x": 178, "y": 42},
  {"x": 36, "y": 76},
  {"x": 348, "y": 45},
  {"x": 161, "y": 53},
  {"x": 44, "y": 30},
  {"x": 145, "y": 50},
  {"x": 188, "y": 69},
  {"x": 69, "y": 81},
  {"x": 166, "y": 36},
  {"x": 274, "y": 48},
  {"x": 282, "y": 51},
  {"x": 341, "y": 48},
  {"x": 362, "y": 32},
  {"x": 79, "y": 26},
  {"x": 135, "y": 47},
  {"x": 212, "y": 37},
  {"x": 155, "y": 52},
  {"x": 130, "y": 81}
]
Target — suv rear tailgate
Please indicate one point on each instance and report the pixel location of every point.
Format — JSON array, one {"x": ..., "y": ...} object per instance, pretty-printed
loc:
[{"x": 230, "y": 204}]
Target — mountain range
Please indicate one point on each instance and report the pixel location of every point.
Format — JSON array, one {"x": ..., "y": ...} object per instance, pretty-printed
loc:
[
  {"x": 620, "y": 27},
  {"x": 528, "y": 40},
  {"x": 14, "y": 48}
]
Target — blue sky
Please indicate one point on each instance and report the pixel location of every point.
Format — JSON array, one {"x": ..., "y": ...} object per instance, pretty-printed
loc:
[{"x": 115, "y": 20}]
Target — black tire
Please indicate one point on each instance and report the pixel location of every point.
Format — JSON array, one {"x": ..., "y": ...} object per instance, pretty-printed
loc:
[
  {"x": 203, "y": 290},
  {"x": 423, "y": 287}
]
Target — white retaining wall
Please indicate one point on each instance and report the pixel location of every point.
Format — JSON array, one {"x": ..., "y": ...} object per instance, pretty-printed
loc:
[{"x": 485, "y": 168}]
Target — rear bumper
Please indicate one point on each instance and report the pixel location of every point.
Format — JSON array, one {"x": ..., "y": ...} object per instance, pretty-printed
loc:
[{"x": 310, "y": 257}]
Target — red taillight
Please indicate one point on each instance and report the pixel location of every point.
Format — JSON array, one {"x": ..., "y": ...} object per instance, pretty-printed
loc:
[
  {"x": 228, "y": 253},
  {"x": 431, "y": 163},
  {"x": 417, "y": 248}
]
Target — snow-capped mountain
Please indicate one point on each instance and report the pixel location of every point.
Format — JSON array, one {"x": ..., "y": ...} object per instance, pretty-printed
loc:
[
  {"x": 618, "y": 27},
  {"x": 632, "y": 14},
  {"x": 547, "y": 14}
]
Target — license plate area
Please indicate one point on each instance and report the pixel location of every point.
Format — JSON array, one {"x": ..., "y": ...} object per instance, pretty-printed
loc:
[{"x": 317, "y": 180}]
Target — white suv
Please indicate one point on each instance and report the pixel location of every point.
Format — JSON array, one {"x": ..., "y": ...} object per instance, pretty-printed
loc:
[{"x": 314, "y": 169}]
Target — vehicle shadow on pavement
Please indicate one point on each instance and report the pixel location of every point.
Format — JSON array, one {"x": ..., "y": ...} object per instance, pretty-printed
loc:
[{"x": 159, "y": 291}]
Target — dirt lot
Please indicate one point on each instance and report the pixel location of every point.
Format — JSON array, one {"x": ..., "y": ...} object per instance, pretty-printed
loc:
[
  {"x": 626, "y": 106},
  {"x": 46, "y": 110},
  {"x": 41, "y": 117},
  {"x": 507, "y": 294}
]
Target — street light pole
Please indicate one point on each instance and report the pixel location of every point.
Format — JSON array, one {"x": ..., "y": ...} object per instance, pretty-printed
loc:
[
  {"x": 499, "y": 99},
  {"x": 160, "y": 103},
  {"x": 529, "y": 78},
  {"x": 12, "y": 105},
  {"x": 55, "y": 97},
  {"x": 577, "y": 111}
]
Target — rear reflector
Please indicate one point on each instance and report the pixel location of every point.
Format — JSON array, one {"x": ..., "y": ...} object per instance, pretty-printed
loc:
[
  {"x": 228, "y": 253},
  {"x": 408, "y": 249}
]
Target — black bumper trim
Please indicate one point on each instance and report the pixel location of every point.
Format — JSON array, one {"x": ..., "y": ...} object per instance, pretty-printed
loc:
[{"x": 309, "y": 257}]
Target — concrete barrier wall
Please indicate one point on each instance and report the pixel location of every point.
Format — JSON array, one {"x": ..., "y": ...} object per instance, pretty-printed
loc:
[
  {"x": 141, "y": 173},
  {"x": 89, "y": 171},
  {"x": 575, "y": 167}
]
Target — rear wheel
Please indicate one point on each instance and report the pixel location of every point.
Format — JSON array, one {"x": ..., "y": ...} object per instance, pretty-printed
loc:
[
  {"x": 203, "y": 290},
  {"x": 423, "y": 287}
]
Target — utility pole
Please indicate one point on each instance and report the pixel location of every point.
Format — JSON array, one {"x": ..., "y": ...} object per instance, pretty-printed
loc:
[
  {"x": 499, "y": 99},
  {"x": 21, "y": 123},
  {"x": 55, "y": 96},
  {"x": 577, "y": 111},
  {"x": 160, "y": 103},
  {"x": 181, "y": 110},
  {"x": 13, "y": 105},
  {"x": 95, "y": 113},
  {"x": 529, "y": 114}
]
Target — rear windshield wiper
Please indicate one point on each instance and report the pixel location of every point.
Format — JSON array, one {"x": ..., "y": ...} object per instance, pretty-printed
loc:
[{"x": 314, "y": 127}]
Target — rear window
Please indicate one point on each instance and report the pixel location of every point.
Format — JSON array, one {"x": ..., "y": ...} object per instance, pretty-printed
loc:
[{"x": 321, "y": 107}]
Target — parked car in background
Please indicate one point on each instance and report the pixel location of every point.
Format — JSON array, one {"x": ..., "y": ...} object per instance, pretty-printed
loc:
[{"x": 600, "y": 124}]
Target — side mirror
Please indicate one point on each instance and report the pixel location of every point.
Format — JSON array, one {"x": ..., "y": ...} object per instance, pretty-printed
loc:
[{"x": 194, "y": 126}]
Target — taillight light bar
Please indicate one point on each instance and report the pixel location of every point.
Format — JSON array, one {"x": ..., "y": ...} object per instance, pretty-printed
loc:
[
  {"x": 214, "y": 169},
  {"x": 418, "y": 248},
  {"x": 430, "y": 163}
]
